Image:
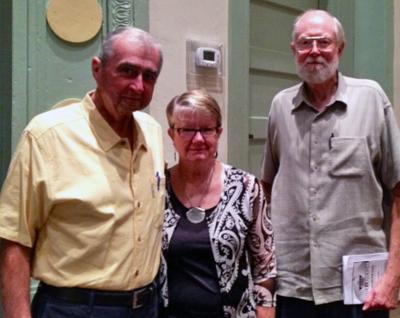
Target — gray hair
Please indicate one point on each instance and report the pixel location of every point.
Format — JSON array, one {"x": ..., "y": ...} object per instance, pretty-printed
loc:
[
  {"x": 339, "y": 31},
  {"x": 107, "y": 47}
]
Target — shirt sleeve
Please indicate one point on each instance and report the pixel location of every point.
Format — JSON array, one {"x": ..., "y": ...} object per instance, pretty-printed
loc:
[
  {"x": 390, "y": 149},
  {"x": 261, "y": 246},
  {"x": 270, "y": 161},
  {"x": 22, "y": 205}
]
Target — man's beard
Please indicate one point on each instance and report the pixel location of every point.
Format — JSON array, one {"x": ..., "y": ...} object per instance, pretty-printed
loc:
[{"x": 317, "y": 73}]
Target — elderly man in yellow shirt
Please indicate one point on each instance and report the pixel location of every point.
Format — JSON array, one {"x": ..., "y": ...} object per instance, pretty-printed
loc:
[{"x": 81, "y": 208}]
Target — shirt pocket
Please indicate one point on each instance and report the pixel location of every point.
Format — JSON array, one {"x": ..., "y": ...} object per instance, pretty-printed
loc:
[{"x": 348, "y": 157}]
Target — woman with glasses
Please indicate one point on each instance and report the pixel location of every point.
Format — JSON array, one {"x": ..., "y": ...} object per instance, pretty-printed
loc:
[{"x": 218, "y": 249}]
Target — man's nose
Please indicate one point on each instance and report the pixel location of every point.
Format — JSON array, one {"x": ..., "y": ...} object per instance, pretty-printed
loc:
[
  {"x": 314, "y": 47},
  {"x": 137, "y": 83}
]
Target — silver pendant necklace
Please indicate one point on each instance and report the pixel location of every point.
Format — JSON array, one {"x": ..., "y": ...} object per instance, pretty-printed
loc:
[{"x": 196, "y": 214}]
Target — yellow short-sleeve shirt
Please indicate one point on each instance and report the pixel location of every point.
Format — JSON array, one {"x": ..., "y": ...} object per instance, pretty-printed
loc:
[{"x": 89, "y": 206}]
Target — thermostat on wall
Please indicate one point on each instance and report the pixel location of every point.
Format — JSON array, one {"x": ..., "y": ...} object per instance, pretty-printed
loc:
[{"x": 208, "y": 57}]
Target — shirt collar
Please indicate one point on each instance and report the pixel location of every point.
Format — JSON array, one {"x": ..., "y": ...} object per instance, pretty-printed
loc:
[
  {"x": 340, "y": 95},
  {"x": 105, "y": 135},
  {"x": 140, "y": 137}
]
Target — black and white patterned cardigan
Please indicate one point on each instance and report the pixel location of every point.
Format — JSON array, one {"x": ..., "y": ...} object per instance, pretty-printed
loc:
[{"x": 241, "y": 241}]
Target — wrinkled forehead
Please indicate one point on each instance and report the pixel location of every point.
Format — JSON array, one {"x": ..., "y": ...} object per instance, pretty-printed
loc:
[
  {"x": 137, "y": 44},
  {"x": 125, "y": 47}
]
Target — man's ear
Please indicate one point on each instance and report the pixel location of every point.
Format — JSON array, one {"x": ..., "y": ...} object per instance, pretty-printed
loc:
[
  {"x": 171, "y": 133},
  {"x": 292, "y": 46},
  {"x": 96, "y": 67},
  {"x": 341, "y": 49}
]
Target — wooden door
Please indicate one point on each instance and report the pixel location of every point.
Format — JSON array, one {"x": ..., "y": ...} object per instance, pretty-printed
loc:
[{"x": 271, "y": 66}]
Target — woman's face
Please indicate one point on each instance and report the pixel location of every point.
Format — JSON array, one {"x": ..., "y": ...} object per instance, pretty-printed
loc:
[{"x": 195, "y": 134}]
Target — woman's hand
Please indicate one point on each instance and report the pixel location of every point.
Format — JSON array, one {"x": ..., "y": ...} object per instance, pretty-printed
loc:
[{"x": 265, "y": 312}]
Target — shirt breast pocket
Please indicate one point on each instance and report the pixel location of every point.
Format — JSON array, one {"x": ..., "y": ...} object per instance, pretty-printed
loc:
[{"x": 348, "y": 157}]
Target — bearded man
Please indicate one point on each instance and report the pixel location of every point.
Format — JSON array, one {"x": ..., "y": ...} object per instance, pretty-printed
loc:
[{"x": 332, "y": 155}]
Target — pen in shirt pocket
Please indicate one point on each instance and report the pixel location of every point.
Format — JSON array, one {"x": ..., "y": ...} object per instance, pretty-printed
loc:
[
  {"x": 158, "y": 180},
  {"x": 330, "y": 141}
]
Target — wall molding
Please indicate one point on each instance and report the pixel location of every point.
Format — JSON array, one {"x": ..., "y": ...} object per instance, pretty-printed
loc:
[{"x": 122, "y": 13}]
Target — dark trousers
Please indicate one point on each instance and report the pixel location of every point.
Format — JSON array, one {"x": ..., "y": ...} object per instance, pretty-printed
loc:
[
  {"x": 47, "y": 305},
  {"x": 288, "y": 307}
]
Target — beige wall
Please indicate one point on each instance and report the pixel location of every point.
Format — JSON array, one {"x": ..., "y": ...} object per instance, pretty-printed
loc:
[
  {"x": 396, "y": 60},
  {"x": 173, "y": 22}
]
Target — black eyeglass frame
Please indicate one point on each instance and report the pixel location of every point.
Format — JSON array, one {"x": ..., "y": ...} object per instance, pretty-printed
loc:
[{"x": 189, "y": 133}]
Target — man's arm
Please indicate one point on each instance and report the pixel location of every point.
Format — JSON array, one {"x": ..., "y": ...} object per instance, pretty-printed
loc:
[
  {"x": 15, "y": 279},
  {"x": 386, "y": 293}
]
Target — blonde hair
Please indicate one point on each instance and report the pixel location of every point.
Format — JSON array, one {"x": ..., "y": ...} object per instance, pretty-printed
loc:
[{"x": 195, "y": 100}]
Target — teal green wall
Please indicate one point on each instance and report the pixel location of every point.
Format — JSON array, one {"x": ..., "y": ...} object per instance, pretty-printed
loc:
[
  {"x": 5, "y": 85},
  {"x": 370, "y": 34},
  {"x": 238, "y": 92},
  {"x": 373, "y": 53}
]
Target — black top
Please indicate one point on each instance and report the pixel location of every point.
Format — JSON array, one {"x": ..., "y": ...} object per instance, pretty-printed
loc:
[{"x": 192, "y": 277}]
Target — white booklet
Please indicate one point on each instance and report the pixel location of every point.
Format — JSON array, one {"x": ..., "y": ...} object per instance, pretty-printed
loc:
[{"x": 360, "y": 273}]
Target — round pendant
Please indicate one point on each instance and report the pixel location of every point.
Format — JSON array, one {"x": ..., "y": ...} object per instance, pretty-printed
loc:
[{"x": 196, "y": 215}]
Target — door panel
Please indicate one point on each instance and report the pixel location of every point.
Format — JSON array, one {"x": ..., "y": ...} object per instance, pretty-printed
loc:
[
  {"x": 300, "y": 5},
  {"x": 272, "y": 66},
  {"x": 263, "y": 86}
]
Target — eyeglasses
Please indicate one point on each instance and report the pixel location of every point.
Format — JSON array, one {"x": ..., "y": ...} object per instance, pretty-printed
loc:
[
  {"x": 307, "y": 43},
  {"x": 189, "y": 133}
]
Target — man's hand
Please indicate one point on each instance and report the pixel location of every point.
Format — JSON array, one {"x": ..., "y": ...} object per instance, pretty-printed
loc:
[
  {"x": 265, "y": 312},
  {"x": 384, "y": 296},
  {"x": 15, "y": 279}
]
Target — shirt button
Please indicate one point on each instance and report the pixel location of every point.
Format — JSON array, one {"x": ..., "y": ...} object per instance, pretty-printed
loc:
[
  {"x": 139, "y": 239},
  {"x": 138, "y": 204},
  {"x": 314, "y": 217},
  {"x": 137, "y": 273}
]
